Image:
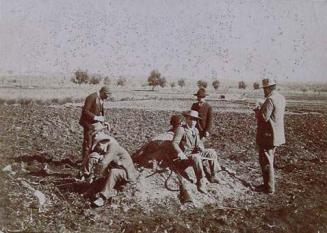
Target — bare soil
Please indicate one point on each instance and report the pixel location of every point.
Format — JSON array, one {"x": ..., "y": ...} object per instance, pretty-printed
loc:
[{"x": 40, "y": 148}]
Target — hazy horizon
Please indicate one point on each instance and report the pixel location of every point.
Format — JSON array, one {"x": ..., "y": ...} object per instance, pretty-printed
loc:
[{"x": 229, "y": 40}]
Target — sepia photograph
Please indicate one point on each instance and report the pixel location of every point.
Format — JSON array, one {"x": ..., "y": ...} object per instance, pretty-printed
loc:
[{"x": 167, "y": 116}]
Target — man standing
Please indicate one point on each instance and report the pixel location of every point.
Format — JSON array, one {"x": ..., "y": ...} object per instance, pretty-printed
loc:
[
  {"x": 270, "y": 132},
  {"x": 92, "y": 112},
  {"x": 188, "y": 146},
  {"x": 205, "y": 113}
]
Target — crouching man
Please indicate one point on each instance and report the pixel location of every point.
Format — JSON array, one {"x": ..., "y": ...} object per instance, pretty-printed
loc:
[
  {"x": 114, "y": 163},
  {"x": 189, "y": 147}
]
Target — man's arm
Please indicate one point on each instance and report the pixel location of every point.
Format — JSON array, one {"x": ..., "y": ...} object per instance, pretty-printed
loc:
[
  {"x": 209, "y": 120},
  {"x": 266, "y": 110},
  {"x": 176, "y": 141}
]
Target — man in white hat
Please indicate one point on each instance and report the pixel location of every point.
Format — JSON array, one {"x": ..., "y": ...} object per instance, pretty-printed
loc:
[
  {"x": 189, "y": 147},
  {"x": 270, "y": 132},
  {"x": 92, "y": 112}
]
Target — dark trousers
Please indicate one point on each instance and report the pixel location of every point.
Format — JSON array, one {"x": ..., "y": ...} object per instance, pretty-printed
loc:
[
  {"x": 266, "y": 160},
  {"x": 87, "y": 142}
]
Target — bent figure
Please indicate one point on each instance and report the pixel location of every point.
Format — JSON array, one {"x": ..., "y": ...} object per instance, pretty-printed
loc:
[{"x": 115, "y": 164}]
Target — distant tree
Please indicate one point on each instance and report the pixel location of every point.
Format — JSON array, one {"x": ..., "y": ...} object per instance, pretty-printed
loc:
[
  {"x": 202, "y": 84},
  {"x": 154, "y": 79},
  {"x": 162, "y": 82},
  {"x": 80, "y": 77},
  {"x": 181, "y": 83},
  {"x": 121, "y": 81},
  {"x": 95, "y": 79},
  {"x": 241, "y": 85},
  {"x": 256, "y": 85},
  {"x": 304, "y": 90},
  {"x": 216, "y": 84},
  {"x": 172, "y": 84},
  {"x": 107, "y": 81}
]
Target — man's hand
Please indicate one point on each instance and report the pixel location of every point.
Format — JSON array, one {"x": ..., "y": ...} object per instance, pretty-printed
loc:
[
  {"x": 182, "y": 156},
  {"x": 107, "y": 125},
  {"x": 99, "y": 118}
]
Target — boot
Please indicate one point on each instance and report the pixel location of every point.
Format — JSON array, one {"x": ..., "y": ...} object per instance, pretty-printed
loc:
[
  {"x": 202, "y": 185},
  {"x": 214, "y": 179},
  {"x": 184, "y": 196}
]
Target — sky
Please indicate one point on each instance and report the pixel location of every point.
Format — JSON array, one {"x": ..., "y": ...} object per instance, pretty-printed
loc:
[{"x": 198, "y": 39}]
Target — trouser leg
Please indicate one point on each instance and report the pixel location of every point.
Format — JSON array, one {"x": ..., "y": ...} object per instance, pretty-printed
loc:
[
  {"x": 114, "y": 176},
  {"x": 212, "y": 160},
  {"x": 266, "y": 160},
  {"x": 87, "y": 142},
  {"x": 197, "y": 165}
]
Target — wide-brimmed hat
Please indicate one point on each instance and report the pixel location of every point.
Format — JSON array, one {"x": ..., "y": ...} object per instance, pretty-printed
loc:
[
  {"x": 105, "y": 90},
  {"x": 267, "y": 82},
  {"x": 100, "y": 137},
  {"x": 192, "y": 113},
  {"x": 201, "y": 93}
]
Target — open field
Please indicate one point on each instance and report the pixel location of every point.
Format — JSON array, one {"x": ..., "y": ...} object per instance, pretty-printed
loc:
[{"x": 40, "y": 146}]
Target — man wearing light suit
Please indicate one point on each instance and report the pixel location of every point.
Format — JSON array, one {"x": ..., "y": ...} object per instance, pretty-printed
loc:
[
  {"x": 270, "y": 132},
  {"x": 189, "y": 148}
]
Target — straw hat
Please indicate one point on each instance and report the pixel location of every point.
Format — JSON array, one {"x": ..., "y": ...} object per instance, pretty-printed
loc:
[
  {"x": 192, "y": 113},
  {"x": 267, "y": 82},
  {"x": 100, "y": 137}
]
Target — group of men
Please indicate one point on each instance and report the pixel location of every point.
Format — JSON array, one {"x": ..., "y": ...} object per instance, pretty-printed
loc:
[{"x": 186, "y": 144}]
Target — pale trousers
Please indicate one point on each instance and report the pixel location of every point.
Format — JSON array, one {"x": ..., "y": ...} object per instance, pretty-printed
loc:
[
  {"x": 115, "y": 175},
  {"x": 266, "y": 160},
  {"x": 207, "y": 155}
]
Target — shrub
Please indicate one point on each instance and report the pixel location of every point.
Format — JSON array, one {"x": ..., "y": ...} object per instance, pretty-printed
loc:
[
  {"x": 181, "y": 83},
  {"x": 241, "y": 85},
  {"x": 162, "y": 82},
  {"x": 11, "y": 101},
  {"x": 107, "y": 81},
  {"x": 154, "y": 79},
  {"x": 80, "y": 77},
  {"x": 55, "y": 101},
  {"x": 95, "y": 80},
  {"x": 202, "y": 84},
  {"x": 121, "y": 81},
  {"x": 2, "y": 101},
  {"x": 256, "y": 85},
  {"x": 25, "y": 102},
  {"x": 172, "y": 84},
  {"x": 216, "y": 84}
]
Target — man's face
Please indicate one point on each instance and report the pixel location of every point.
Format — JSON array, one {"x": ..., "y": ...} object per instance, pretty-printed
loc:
[
  {"x": 101, "y": 147},
  {"x": 266, "y": 91},
  {"x": 104, "y": 95},
  {"x": 190, "y": 121},
  {"x": 200, "y": 99}
]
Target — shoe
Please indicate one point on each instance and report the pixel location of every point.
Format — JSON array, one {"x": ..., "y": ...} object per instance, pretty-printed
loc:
[
  {"x": 214, "y": 179},
  {"x": 260, "y": 188},
  {"x": 202, "y": 186},
  {"x": 99, "y": 201}
]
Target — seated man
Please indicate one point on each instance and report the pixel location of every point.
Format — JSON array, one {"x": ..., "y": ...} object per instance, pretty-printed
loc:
[
  {"x": 114, "y": 163},
  {"x": 188, "y": 146}
]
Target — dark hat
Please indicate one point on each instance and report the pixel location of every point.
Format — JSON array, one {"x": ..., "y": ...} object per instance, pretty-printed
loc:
[
  {"x": 175, "y": 120},
  {"x": 105, "y": 90},
  {"x": 201, "y": 93},
  {"x": 192, "y": 113}
]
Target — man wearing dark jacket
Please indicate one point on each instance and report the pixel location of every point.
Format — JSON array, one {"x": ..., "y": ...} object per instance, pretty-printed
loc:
[
  {"x": 205, "y": 112},
  {"x": 92, "y": 112}
]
